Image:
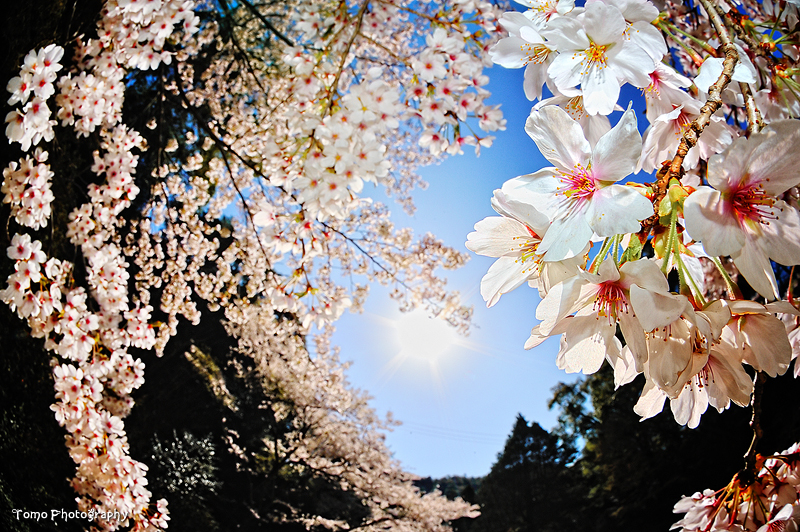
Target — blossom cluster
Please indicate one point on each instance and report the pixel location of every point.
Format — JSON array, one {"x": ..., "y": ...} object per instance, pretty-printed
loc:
[
  {"x": 94, "y": 384},
  {"x": 355, "y": 99},
  {"x": 39, "y": 71},
  {"x": 660, "y": 296},
  {"x": 768, "y": 501},
  {"x": 693, "y": 349}
]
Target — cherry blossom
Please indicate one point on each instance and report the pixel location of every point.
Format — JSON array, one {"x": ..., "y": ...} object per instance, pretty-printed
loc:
[
  {"x": 514, "y": 238},
  {"x": 741, "y": 215},
  {"x": 594, "y": 52},
  {"x": 579, "y": 193}
]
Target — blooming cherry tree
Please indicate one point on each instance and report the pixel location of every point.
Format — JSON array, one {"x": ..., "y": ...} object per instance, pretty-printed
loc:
[{"x": 238, "y": 182}]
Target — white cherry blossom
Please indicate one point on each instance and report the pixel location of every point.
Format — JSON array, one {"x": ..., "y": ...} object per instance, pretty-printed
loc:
[
  {"x": 595, "y": 53},
  {"x": 579, "y": 194},
  {"x": 741, "y": 215},
  {"x": 513, "y": 238}
]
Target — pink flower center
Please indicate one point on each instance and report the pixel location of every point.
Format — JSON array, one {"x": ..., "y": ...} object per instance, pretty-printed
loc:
[
  {"x": 528, "y": 251},
  {"x": 610, "y": 299},
  {"x": 682, "y": 123},
  {"x": 578, "y": 184},
  {"x": 751, "y": 203}
]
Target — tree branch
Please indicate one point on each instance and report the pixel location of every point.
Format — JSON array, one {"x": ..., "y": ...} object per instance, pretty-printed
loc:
[
  {"x": 714, "y": 102},
  {"x": 750, "y": 465}
]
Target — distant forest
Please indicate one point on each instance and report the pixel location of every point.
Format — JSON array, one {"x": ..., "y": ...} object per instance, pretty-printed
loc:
[{"x": 601, "y": 469}]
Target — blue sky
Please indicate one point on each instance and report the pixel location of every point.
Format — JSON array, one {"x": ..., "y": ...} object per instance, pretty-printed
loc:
[{"x": 458, "y": 408}]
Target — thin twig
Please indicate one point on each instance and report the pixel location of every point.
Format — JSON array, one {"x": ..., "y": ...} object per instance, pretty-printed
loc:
[
  {"x": 333, "y": 88},
  {"x": 714, "y": 102},
  {"x": 246, "y": 208},
  {"x": 267, "y": 23},
  {"x": 754, "y": 120},
  {"x": 755, "y": 423}
]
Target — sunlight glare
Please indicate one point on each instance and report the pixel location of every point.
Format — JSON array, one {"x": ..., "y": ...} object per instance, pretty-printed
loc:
[{"x": 423, "y": 337}]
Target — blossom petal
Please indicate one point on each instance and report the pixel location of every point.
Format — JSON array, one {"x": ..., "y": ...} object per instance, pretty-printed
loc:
[
  {"x": 617, "y": 151},
  {"x": 559, "y": 138},
  {"x": 600, "y": 90},
  {"x": 496, "y": 236},
  {"x": 616, "y": 210},
  {"x": 645, "y": 274},
  {"x": 633, "y": 64},
  {"x": 561, "y": 301},
  {"x": 506, "y": 274},
  {"x": 690, "y": 405},
  {"x": 603, "y": 23},
  {"x": 534, "y": 79},
  {"x": 634, "y": 337},
  {"x": 712, "y": 221},
  {"x": 521, "y": 208},
  {"x": 651, "y": 402},
  {"x": 754, "y": 264},
  {"x": 566, "y": 237},
  {"x": 782, "y": 236},
  {"x": 773, "y": 162},
  {"x": 657, "y": 309},
  {"x": 586, "y": 342},
  {"x": 509, "y": 52},
  {"x": 766, "y": 345}
]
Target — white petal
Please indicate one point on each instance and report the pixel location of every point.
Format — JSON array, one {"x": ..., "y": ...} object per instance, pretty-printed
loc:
[
  {"x": 649, "y": 39},
  {"x": 604, "y": 24},
  {"x": 535, "y": 339},
  {"x": 617, "y": 209},
  {"x": 566, "y": 33},
  {"x": 657, "y": 309},
  {"x": 782, "y": 235},
  {"x": 535, "y": 78},
  {"x": 774, "y": 160},
  {"x": 646, "y": 274},
  {"x": 513, "y": 21},
  {"x": 538, "y": 189},
  {"x": 559, "y": 138},
  {"x": 690, "y": 406},
  {"x": 766, "y": 344},
  {"x": 633, "y": 65},
  {"x": 506, "y": 274},
  {"x": 634, "y": 337},
  {"x": 509, "y": 53},
  {"x": 566, "y": 70},
  {"x": 617, "y": 151},
  {"x": 586, "y": 342},
  {"x": 600, "y": 90},
  {"x": 566, "y": 237},
  {"x": 521, "y": 208},
  {"x": 651, "y": 402},
  {"x": 710, "y": 71},
  {"x": 754, "y": 264},
  {"x": 712, "y": 221},
  {"x": 624, "y": 368},
  {"x": 497, "y": 236}
]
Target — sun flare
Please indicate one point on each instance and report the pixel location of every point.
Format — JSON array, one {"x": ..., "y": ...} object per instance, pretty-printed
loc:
[{"x": 420, "y": 336}]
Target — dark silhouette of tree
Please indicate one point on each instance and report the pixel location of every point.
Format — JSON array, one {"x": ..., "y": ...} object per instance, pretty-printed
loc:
[{"x": 529, "y": 487}]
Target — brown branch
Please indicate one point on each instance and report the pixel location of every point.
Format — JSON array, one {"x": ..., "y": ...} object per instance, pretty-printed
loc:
[
  {"x": 267, "y": 23},
  {"x": 736, "y": 22},
  {"x": 714, "y": 102},
  {"x": 754, "y": 120},
  {"x": 333, "y": 88},
  {"x": 246, "y": 208},
  {"x": 749, "y": 471}
]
